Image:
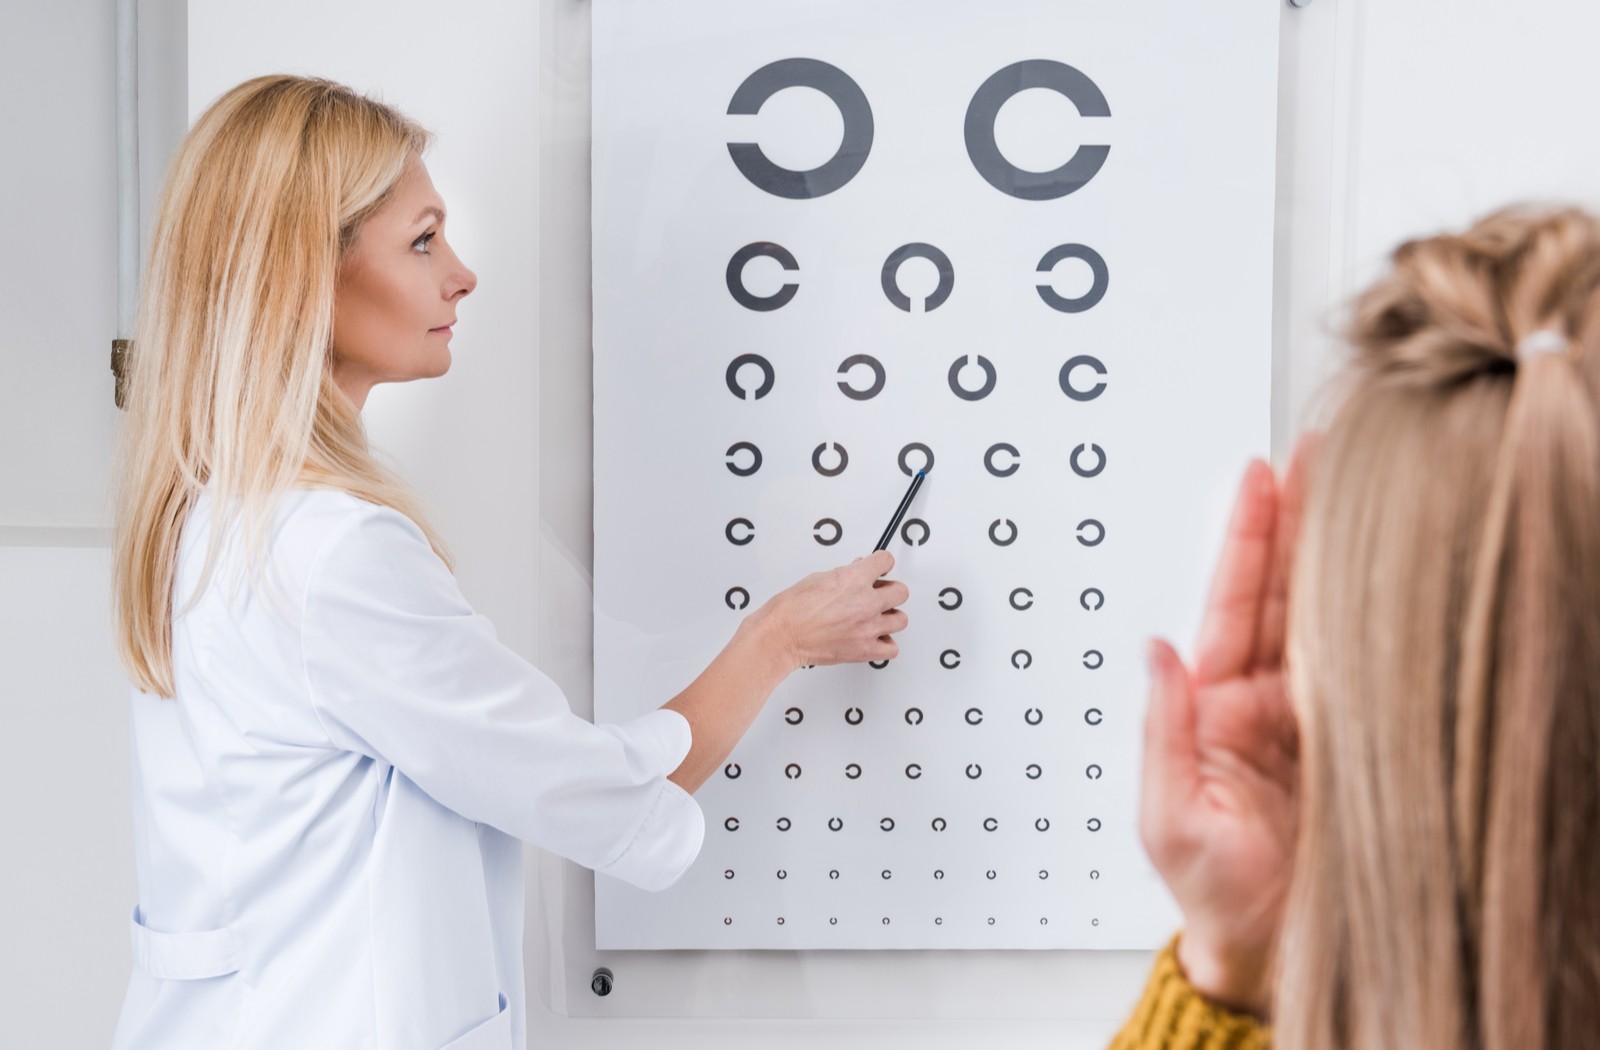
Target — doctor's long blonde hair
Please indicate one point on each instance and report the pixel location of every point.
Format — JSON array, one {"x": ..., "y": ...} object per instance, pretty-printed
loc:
[
  {"x": 230, "y": 385},
  {"x": 1445, "y": 658}
]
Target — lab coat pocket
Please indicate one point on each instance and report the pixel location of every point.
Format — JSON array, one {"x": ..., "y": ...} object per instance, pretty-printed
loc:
[
  {"x": 493, "y": 1034},
  {"x": 183, "y": 956}
]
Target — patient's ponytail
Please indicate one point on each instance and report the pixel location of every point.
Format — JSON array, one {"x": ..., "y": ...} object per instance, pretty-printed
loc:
[{"x": 1445, "y": 651}]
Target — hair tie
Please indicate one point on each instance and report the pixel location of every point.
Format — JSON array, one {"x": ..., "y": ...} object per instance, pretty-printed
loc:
[{"x": 1544, "y": 341}]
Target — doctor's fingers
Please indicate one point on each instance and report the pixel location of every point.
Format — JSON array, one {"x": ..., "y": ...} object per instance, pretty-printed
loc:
[
  {"x": 893, "y": 621},
  {"x": 891, "y": 593},
  {"x": 872, "y": 566}
]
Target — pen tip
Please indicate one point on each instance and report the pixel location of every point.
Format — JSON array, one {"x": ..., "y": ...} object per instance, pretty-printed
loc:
[{"x": 922, "y": 473}]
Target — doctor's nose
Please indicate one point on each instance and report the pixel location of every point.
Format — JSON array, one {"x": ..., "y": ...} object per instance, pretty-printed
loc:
[{"x": 461, "y": 280}]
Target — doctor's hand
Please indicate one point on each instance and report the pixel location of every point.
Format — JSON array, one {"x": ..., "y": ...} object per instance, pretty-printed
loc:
[
  {"x": 1219, "y": 807},
  {"x": 844, "y": 615}
]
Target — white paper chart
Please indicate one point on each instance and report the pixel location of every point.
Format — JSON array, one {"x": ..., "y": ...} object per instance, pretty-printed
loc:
[{"x": 1025, "y": 246}]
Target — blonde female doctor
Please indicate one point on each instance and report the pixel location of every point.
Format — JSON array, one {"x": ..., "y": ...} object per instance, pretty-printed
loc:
[{"x": 333, "y": 758}]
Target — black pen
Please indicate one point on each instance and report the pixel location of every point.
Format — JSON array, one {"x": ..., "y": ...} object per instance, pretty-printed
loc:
[{"x": 900, "y": 511}]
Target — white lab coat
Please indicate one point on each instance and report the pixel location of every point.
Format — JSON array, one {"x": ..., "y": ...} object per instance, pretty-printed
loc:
[{"x": 326, "y": 818}]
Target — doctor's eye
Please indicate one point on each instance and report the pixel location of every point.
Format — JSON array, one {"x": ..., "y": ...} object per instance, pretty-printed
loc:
[{"x": 421, "y": 243}]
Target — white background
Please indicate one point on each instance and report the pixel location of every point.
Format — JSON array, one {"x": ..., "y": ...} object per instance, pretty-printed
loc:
[{"x": 1397, "y": 117}]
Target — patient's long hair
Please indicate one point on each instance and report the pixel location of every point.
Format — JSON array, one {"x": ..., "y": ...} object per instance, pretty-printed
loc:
[
  {"x": 231, "y": 387},
  {"x": 1445, "y": 658}
]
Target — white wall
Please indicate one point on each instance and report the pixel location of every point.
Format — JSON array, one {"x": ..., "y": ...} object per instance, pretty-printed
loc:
[
  {"x": 58, "y": 266},
  {"x": 1398, "y": 117},
  {"x": 66, "y": 862}
]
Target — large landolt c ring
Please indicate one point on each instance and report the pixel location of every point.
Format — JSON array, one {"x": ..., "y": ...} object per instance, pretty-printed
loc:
[
  {"x": 995, "y": 92},
  {"x": 843, "y": 92}
]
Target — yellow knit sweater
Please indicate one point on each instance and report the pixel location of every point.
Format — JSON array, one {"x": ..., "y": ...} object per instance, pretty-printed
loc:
[{"x": 1171, "y": 1015}]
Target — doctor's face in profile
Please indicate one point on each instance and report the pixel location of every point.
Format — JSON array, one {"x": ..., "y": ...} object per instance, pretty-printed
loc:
[{"x": 397, "y": 290}]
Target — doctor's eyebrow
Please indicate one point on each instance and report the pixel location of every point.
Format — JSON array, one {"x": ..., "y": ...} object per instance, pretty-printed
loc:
[{"x": 437, "y": 213}]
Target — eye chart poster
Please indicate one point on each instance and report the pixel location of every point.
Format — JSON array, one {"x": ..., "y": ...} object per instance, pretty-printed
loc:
[{"x": 1024, "y": 245}]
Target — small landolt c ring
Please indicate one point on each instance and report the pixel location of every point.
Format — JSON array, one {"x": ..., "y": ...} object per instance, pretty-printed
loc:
[
  {"x": 1095, "y": 365},
  {"x": 794, "y": 716},
  {"x": 740, "y": 541},
  {"x": 1097, "y": 530},
  {"x": 974, "y": 771},
  {"x": 906, "y": 527},
  {"x": 972, "y": 395},
  {"x": 739, "y": 593},
  {"x": 732, "y": 823},
  {"x": 1099, "y": 460},
  {"x": 878, "y": 377},
  {"x": 913, "y": 716},
  {"x": 1022, "y": 659},
  {"x": 927, "y": 456},
  {"x": 853, "y": 716},
  {"x": 767, "y": 377},
  {"x": 755, "y": 458},
  {"x": 1097, "y": 267},
  {"x": 1021, "y": 599},
  {"x": 735, "y": 276},
  {"x": 830, "y": 472},
  {"x": 1033, "y": 772},
  {"x": 732, "y": 770},
  {"x": 950, "y": 659},
  {"x": 821, "y": 526},
  {"x": 792, "y": 771},
  {"x": 835, "y": 824},
  {"x": 1093, "y": 659},
  {"x": 990, "y": 824},
  {"x": 852, "y": 771},
  {"x": 1094, "y": 716},
  {"x": 974, "y": 716},
  {"x": 955, "y": 603},
  {"x": 994, "y": 532},
  {"x": 1007, "y": 470},
  {"x": 917, "y": 250},
  {"x": 1033, "y": 716},
  {"x": 913, "y": 771},
  {"x": 1098, "y": 602}
]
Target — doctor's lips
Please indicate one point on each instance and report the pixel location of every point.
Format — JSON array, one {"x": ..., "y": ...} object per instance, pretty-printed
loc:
[{"x": 446, "y": 329}]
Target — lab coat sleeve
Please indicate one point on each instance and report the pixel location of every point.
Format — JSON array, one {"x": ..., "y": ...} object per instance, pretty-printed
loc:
[{"x": 399, "y": 667}]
